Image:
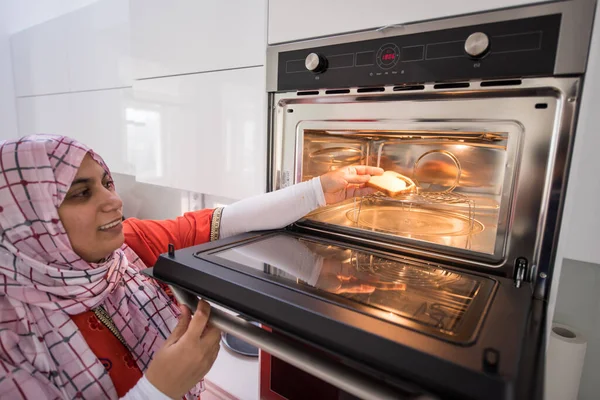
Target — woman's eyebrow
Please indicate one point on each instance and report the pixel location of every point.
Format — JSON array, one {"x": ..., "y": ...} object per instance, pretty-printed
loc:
[
  {"x": 81, "y": 180},
  {"x": 87, "y": 180}
]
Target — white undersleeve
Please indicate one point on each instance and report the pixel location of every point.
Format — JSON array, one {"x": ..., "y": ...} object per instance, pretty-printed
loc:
[
  {"x": 272, "y": 210},
  {"x": 144, "y": 390}
]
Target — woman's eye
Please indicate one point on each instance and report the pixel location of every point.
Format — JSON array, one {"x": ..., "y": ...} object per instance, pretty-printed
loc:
[
  {"x": 109, "y": 184},
  {"x": 83, "y": 193}
]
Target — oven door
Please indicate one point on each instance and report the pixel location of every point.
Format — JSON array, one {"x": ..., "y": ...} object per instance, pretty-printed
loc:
[{"x": 412, "y": 323}]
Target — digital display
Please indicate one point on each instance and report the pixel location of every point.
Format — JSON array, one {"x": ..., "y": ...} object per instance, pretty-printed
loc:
[{"x": 388, "y": 57}]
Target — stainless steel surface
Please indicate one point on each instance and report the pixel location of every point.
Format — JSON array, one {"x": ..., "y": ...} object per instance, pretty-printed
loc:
[
  {"x": 526, "y": 170},
  {"x": 477, "y": 44},
  {"x": 313, "y": 62},
  {"x": 331, "y": 372},
  {"x": 573, "y": 43}
]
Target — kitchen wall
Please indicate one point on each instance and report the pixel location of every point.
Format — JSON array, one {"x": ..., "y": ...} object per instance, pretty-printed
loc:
[
  {"x": 8, "y": 112},
  {"x": 578, "y": 305},
  {"x": 23, "y": 14},
  {"x": 160, "y": 114},
  {"x": 172, "y": 95},
  {"x": 16, "y": 16},
  {"x": 575, "y": 296}
]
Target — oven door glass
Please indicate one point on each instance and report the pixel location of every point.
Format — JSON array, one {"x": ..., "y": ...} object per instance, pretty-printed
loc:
[{"x": 407, "y": 292}]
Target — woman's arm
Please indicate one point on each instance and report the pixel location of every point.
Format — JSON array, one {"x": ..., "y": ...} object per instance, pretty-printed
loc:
[
  {"x": 144, "y": 390},
  {"x": 149, "y": 238},
  {"x": 272, "y": 210},
  {"x": 280, "y": 208}
]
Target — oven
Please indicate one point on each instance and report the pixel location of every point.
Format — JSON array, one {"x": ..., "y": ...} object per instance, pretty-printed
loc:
[{"x": 441, "y": 291}]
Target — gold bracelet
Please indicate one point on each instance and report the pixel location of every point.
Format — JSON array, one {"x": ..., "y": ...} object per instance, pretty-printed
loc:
[{"x": 215, "y": 225}]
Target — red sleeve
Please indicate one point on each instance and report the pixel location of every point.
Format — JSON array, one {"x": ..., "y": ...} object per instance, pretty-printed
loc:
[{"x": 149, "y": 239}]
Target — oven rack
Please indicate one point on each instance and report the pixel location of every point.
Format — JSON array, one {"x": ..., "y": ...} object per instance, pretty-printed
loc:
[{"x": 426, "y": 211}]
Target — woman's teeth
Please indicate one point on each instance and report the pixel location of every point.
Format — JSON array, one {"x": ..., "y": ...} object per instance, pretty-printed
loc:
[{"x": 111, "y": 225}]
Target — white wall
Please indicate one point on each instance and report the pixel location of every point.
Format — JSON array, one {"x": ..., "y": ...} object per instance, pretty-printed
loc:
[
  {"x": 578, "y": 306},
  {"x": 16, "y": 15},
  {"x": 22, "y": 14},
  {"x": 8, "y": 112},
  {"x": 291, "y": 20},
  {"x": 575, "y": 295}
]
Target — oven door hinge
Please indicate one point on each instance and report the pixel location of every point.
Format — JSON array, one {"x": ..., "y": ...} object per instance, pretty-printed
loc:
[{"x": 521, "y": 271}]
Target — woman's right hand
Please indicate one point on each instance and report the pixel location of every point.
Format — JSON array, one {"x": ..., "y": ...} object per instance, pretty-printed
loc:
[{"x": 187, "y": 355}]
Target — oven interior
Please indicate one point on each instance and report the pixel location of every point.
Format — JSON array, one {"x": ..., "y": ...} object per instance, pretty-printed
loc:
[{"x": 461, "y": 180}]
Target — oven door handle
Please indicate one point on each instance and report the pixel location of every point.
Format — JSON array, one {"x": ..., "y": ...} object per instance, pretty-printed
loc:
[{"x": 329, "y": 371}]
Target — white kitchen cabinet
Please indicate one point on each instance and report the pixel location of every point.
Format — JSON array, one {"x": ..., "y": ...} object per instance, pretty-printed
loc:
[
  {"x": 40, "y": 60},
  {"x": 99, "y": 119},
  {"x": 87, "y": 49},
  {"x": 186, "y": 36},
  {"x": 205, "y": 133},
  {"x": 294, "y": 20},
  {"x": 44, "y": 114},
  {"x": 99, "y": 46}
]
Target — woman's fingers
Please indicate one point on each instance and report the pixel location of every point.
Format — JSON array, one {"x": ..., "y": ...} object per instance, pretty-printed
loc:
[
  {"x": 181, "y": 327},
  {"x": 367, "y": 170},
  {"x": 199, "y": 321}
]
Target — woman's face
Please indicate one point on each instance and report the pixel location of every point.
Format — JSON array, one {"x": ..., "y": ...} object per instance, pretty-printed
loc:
[{"x": 92, "y": 212}]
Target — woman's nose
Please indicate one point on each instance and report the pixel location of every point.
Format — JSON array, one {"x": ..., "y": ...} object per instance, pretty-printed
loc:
[{"x": 112, "y": 202}]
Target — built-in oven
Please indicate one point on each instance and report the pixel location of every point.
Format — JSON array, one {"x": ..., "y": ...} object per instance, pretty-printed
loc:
[{"x": 437, "y": 292}]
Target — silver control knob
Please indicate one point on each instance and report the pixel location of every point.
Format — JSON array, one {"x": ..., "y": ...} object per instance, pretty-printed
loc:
[
  {"x": 315, "y": 63},
  {"x": 477, "y": 44}
]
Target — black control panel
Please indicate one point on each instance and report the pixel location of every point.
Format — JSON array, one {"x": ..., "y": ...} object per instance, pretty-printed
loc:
[{"x": 516, "y": 48}]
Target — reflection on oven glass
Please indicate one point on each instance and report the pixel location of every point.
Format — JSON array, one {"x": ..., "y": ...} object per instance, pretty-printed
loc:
[
  {"x": 426, "y": 294},
  {"x": 397, "y": 289}
]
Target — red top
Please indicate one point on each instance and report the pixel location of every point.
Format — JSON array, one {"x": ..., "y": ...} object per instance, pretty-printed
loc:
[{"x": 148, "y": 239}]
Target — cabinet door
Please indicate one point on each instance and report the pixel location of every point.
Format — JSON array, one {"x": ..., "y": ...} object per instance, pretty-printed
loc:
[
  {"x": 295, "y": 20},
  {"x": 40, "y": 61},
  {"x": 99, "y": 46},
  {"x": 99, "y": 120},
  {"x": 185, "y": 36},
  {"x": 205, "y": 133},
  {"x": 44, "y": 114}
]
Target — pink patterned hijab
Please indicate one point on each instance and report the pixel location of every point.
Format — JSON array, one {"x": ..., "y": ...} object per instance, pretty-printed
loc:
[{"x": 43, "y": 282}]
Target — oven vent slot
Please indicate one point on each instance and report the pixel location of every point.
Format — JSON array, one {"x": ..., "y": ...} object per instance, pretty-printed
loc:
[
  {"x": 455, "y": 85},
  {"x": 370, "y": 90},
  {"x": 512, "y": 82},
  {"x": 337, "y": 91},
  {"x": 308, "y": 93},
  {"x": 408, "y": 87}
]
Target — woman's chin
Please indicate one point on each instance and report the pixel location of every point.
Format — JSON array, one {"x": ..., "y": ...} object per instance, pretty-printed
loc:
[
  {"x": 114, "y": 245},
  {"x": 117, "y": 243}
]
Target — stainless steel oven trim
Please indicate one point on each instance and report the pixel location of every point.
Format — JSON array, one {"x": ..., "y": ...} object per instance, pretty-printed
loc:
[
  {"x": 331, "y": 372},
  {"x": 565, "y": 90},
  {"x": 573, "y": 42}
]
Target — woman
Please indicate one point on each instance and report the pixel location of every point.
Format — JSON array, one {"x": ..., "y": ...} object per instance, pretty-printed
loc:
[{"x": 77, "y": 320}]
